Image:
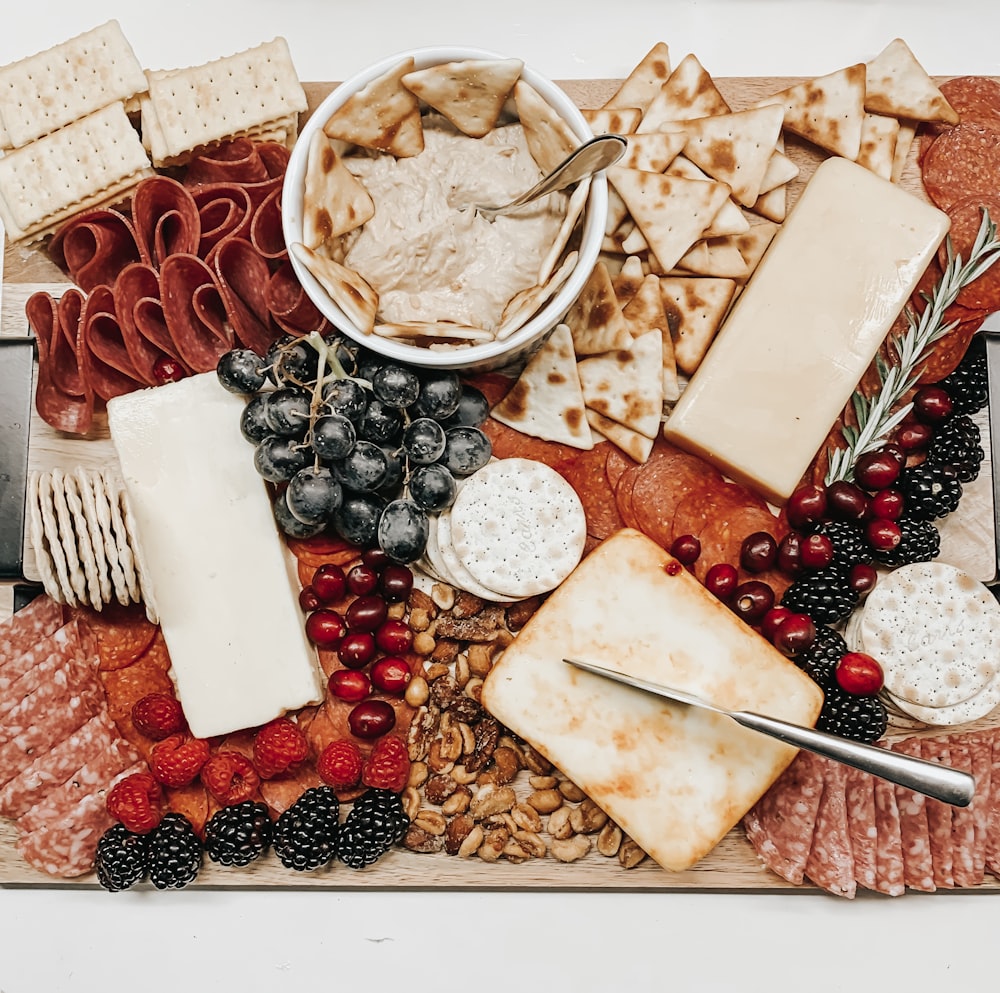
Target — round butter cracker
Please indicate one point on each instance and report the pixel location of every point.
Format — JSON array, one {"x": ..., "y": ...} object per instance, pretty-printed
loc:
[
  {"x": 961, "y": 713},
  {"x": 518, "y": 527},
  {"x": 459, "y": 576}
]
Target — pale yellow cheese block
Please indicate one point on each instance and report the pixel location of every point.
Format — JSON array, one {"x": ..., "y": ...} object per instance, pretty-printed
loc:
[{"x": 676, "y": 779}]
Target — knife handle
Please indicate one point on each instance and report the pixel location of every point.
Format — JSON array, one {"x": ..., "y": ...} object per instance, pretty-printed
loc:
[{"x": 938, "y": 781}]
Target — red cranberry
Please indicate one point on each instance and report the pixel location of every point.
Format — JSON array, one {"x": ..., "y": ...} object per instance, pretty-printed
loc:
[
  {"x": 168, "y": 370},
  {"x": 931, "y": 405},
  {"x": 371, "y": 719},
  {"x": 362, "y": 580},
  {"x": 816, "y": 552},
  {"x": 758, "y": 552},
  {"x": 350, "y": 685},
  {"x": 876, "y": 470},
  {"x": 914, "y": 437},
  {"x": 806, "y": 506},
  {"x": 391, "y": 675},
  {"x": 325, "y": 628},
  {"x": 772, "y": 620},
  {"x": 862, "y": 579},
  {"x": 395, "y": 583},
  {"x": 329, "y": 582},
  {"x": 887, "y": 504},
  {"x": 356, "y": 649},
  {"x": 721, "y": 580},
  {"x": 394, "y": 637},
  {"x": 846, "y": 502},
  {"x": 366, "y": 613},
  {"x": 859, "y": 674},
  {"x": 752, "y": 600},
  {"x": 686, "y": 548},
  {"x": 795, "y": 635},
  {"x": 790, "y": 553},
  {"x": 307, "y": 599},
  {"x": 896, "y": 451},
  {"x": 375, "y": 559},
  {"x": 883, "y": 535}
]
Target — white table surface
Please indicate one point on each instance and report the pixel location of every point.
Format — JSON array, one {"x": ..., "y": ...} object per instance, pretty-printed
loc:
[{"x": 55, "y": 940}]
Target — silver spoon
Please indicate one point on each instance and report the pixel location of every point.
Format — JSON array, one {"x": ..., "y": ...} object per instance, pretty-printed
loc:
[{"x": 590, "y": 157}]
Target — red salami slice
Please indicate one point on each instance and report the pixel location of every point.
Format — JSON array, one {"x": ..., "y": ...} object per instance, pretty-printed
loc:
[
  {"x": 889, "y": 876},
  {"x": 225, "y": 211},
  {"x": 194, "y": 312},
  {"x": 166, "y": 219},
  {"x": 21, "y": 633},
  {"x": 587, "y": 474},
  {"x": 974, "y": 98},
  {"x": 939, "y": 819},
  {"x": 617, "y": 463},
  {"x": 242, "y": 277},
  {"x": 289, "y": 304},
  {"x": 993, "y": 821},
  {"x": 623, "y": 496},
  {"x": 860, "y": 795},
  {"x": 831, "y": 860},
  {"x": 981, "y": 753},
  {"x": 121, "y": 634},
  {"x": 280, "y": 793},
  {"x": 140, "y": 313},
  {"x": 104, "y": 358},
  {"x": 95, "y": 246},
  {"x": 966, "y": 218},
  {"x": 962, "y": 162},
  {"x": 918, "y": 864},
  {"x": 237, "y": 161},
  {"x": 266, "y": 234},
  {"x": 963, "y": 824}
]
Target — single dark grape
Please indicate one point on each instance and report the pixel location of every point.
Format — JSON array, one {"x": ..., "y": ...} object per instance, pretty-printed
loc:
[
  {"x": 394, "y": 471},
  {"x": 466, "y": 450},
  {"x": 313, "y": 495},
  {"x": 297, "y": 364},
  {"x": 381, "y": 423},
  {"x": 440, "y": 393},
  {"x": 402, "y": 531},
  {"x": 346, "y": 397},
  {"x": 423, "y": 441},
  {"x": 364, "y": 470},
  {"x": 241, "y": 371},
  {"x": 433, "y": 487},
  {"x": 333, "y": 437},
  {"x": 357, "y": 518},
  {"x": 473, "y": 408},
  {"x": 253, "y": 420},
  {"x": 290, "y": 524},
  {"x": 287, "y": 412},
  {"x": 273, "y": 354},
  {"x": 368, "y": 363},
  {"x": 277, "y": 459},
  {"x": 396, "y": 386}
]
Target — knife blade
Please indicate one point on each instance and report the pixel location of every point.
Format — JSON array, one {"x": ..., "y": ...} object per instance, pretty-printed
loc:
[
  {"x": 938, "y": 781},
  {"x": 990, "y": 330}
]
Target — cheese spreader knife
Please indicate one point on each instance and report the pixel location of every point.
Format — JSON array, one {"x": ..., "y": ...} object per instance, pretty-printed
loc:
[
  {"x": 938, "y": 781},
  {"x": 990, "y": 330}
]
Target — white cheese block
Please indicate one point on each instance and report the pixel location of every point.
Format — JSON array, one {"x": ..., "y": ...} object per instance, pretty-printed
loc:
[
  {"x": 806, "y": 327},
  {"x": 676, "y": 779},
  {"x": 219, "y": 570}
]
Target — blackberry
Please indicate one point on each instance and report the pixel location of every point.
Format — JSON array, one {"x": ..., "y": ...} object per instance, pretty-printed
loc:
[
  {"x": 958, "y": 443},
  {"x": 305, "y": 835},
  {"x": 968, "y": 385},
  {"x": 920, "y": 542},
  {"x": 121, "y": 859},
  {"x": 174, "y": 853},
  {"x": 820, "y": 660},
  {"x": 239, "y": 834},
  {"x": 930, "y": 490},
  {"x": 376, "y": 822},
  {"x": 849, "y": 545},
  {"x": 860, "y": 718},
  {"x": 825, "y": 595}
]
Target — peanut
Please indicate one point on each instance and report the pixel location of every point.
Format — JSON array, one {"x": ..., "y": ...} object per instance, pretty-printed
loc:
[
  {"x": 443, "y": 596},
  {"x": 570, "y": 849},
  {"x": 571, "y": 791},
  {"x": 458, "y": 802},
  {"x": 418, "y": 774},
  {"x": 417, "y": 692},
  {"x": 493, "y": 844},
  {"x": 492, "y": 800},
  {"x": 471, "y": 842},
  {"x": 630, "y": 854},
  {"x": 546, "y": 801},
  {"x": 558, "y": 825},
  {"x": 609, "y": 840},
  {"x": 587, "y": 818},
  {"x": 431, "y": 821},
  {"x": 526, "y": 817}
]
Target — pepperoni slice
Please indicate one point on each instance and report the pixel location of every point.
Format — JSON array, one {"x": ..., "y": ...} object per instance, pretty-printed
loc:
[
  {"x": 281, "y": 792},
  {"x": 966, "y": 217},
  {"x": 192, "y": 801},
  {"x": 122, "y": 634},
  {"x": 623, "y": 496},
  {"x": 242, "y": 276},
  {"x": 617, "y": 463},
  {"x": 95, "y": 246},
  {"x": 166, "y": 218},
  {"x": 587, "y": 474},
  {"x": 974, "y": 98},
  {"x": 194, "y": 312},
  {"x": 962, "y": 162}
]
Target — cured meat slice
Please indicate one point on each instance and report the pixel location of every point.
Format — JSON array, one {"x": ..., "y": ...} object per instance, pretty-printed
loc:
[
  {"x": 121, "y": 634},
  {"x": 236, "y": 161},
  {"x": 24, "y": 630},
  {"x": 780, "y": 825},
  {"x": 38, "y": 666},
  {"x": 242, "y": 276},
  {"x": 939, "y": 818},
  {"x": 266, "y": 234},
  {"x": 280, "y": 793},
  {"x": 290, "y": 305},
  {"x": 617, "y": 463},
  {"x": 963, "y": 824},
  {"x": 95, "y": 246},
  {"x": 623, "y": 496},
  {"x": 137, "y": 303},
  {"x": 993, "y": 824},
  {"x": 962, "y": 161},
  {"x": 860, "y": 799},
  {"x": 831, "y": 858},
  {"x": 975, "y": 98},
  {"x": 104, "y": 358},
  {"x": 194, "y": 312},
  {"x": 225, "y": 211},
  {"x": 966, "y": 215},
  {"x": 981, "y": 754},
  {"x": 165, "y": 218},
  {"x": 191, "y": 801},
  {"x": 918, "y": 865},
  {"x": 587, "y": 474},
  {"x": 889, "y": 875}
]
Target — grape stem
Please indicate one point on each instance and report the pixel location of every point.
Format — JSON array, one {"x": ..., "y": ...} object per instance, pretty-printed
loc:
[{"x": 327, "y": 360}]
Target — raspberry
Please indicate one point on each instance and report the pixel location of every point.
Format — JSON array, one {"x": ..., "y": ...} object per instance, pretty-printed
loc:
[
  {"x": 176, "y": 761},
  {"x": 339, "y": 764},
  {"x": 135, "y": 802},
  {"x": 277, "y": 747},
  {"x": 158, "y": 716},
  {"x": 388, "y": 766},
  {"x": 230, "y": 777}
]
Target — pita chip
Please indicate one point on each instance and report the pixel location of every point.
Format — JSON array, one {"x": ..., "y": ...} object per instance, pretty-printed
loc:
[
  {"x": 896, "y": 84},
  {"x": 828, "y": 110},
  {"x": 644, "y": 81},
  {"x": 773, "y": 205},
  {"x": 729, "y": 219},
  {"x": 383, "y": 115},
  {"x": 652, "y": 152},
  {"x": 735, "y": 148},
  {"x": 634, "y": 242},
  {"x": 878, "y": 144},
  {"x": 550, "y": 139},
  {"x": 671, "y": 212},
  {"x": 470, "y": 93},
  {"x": 577, "y": 202},
  {"x": 629, "y": 278},
  {"x": 636, "y": 446},
  {"x": 334, "y": 201},
  {"x": 904, "y": 142},
  {"x": 687, "y": 94},
  {"x": 695, "y": 307},
  {"x": 644, "y": 313},
  {"x": 715, "y": 257},
  {"x": 595, "y": 319},
  {"x": 612, "y": 120},
  {"x": 754, "y": 243},
  {"x": 617, "y": 211},
  {"x": 780, "y": 170},
  {"x": 546, "y": 401},
  {"x": 529, "y": 301},
  {"x": 425, "y": 331},
  {"x": 349, "y": 291}
]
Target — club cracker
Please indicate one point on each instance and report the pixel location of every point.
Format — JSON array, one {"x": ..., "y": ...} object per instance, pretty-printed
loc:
[
  {"x": 50, "y": 527},
  {"x": 39, "y": 542},
  {"x": 85, "y": 494},
  {"x": 66, "y": 536}
]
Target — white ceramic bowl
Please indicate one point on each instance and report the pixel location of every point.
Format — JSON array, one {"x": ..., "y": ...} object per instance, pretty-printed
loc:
[{"x": 487, "y": 355}]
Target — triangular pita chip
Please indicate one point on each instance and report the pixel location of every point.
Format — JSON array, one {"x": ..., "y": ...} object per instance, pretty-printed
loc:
[
  {"x": 670, "y": 211},
  {"x": 644, "y": 81},
  {"x": 577, "y": 202},
  {"x": 634, "y": 242},
  {"x": 897, "y": 84},
  {"x": 546, "y": 401},
  {"x": 695, "y": 307},
  {"x": 528, "y": 302},
  {"x": 628, "y": 279},
  {"x": 595, "y": 319},
  {"x": 550, "y": 139},
  {"x": 828, "y": 110},
  {"x": 424, "y": 331},
  {"x": 687, "y": 94},
  {"x": 617, "y": 211},
  {"x": 729, "y": 218},
  {"x": 715, "y": 257},
  {"x": 636, "y": 446},
  {"x": 652, "y": 152},
  {"x": 334, "y": 201},
  {"x": 627, "y": 384},
  {"x": 470, "y": 93},
  {"x": 735, "y": 148},
  {"x": 349, "y": 291},
  {"x": 383, "y": 115},
  {"x": 904, "y": 142},
  {"x": 772, "y": 205},
  {"x": 780, "y": 170},
  {"x": 644, "y": 313},
  {"x": 754, "y": 243},
  {"x": 612, "y": 120},
  {"x": 878, "y": 144}
]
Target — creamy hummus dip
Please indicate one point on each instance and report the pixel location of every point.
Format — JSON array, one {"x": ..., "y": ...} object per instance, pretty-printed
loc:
[{"x": 429, "y": 259}]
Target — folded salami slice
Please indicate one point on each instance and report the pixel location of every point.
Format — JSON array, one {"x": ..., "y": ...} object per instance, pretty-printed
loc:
[
  {"x": 104, "y": 357},
  {"x": 166, "y": 219},
  {"x": 95, "y": 246},
  {"x": 860, "y": 796},
  {"x": 939, "y": 818},
  {"x": 194, "y": 311},
  {"x": 136, "y": 294},
  {"x": 289, "y": 304},
  {"x": 242, "y": 276},
  {"x": 266, "y": 234},
  {"x": 225, "y": 211},
  {"x": 237, "y": 161}
]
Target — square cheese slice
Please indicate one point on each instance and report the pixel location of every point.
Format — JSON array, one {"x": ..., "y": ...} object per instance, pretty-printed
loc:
[
  {"x": 675, "y": 778},
  {"x": 221, "y": 576},
  {"x": 806, "y": 327}
]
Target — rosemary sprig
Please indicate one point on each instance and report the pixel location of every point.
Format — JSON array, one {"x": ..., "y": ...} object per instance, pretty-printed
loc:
[{"x": 879, "y": 414}]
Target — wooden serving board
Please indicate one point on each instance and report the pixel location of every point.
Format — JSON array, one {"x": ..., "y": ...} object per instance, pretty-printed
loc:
[{"x": 731, "y": 867}]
